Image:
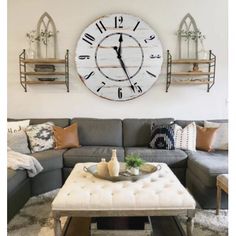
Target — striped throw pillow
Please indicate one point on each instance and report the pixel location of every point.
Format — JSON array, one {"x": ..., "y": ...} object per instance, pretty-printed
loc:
[{"x": 185, "y": 138}]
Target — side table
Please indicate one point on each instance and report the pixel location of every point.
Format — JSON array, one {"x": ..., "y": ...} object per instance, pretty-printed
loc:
[{"x": 221, "y": 184}]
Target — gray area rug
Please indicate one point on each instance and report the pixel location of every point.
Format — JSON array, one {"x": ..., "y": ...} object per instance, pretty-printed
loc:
[{"x": 35, "y": 218}]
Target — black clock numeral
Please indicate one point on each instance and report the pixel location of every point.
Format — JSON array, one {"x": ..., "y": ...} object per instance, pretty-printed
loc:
[
  {"x": 101, "y": 27},
  {"x": 88, "y": 38},
  {"x": 150, "y": 73},
  {"x": 151, "y": 37},
  {"x": 119, "y": 22},
  {"x": 83, "y": 57},
  {"x": 139, "y": 89},
  {"x": 120, "y": 93},
  {"x": 89, "y": 75},
  {"x": 103, "y": 84},
  {"x": 155, "y": 56},
  {"x": 136, "y": 25}
]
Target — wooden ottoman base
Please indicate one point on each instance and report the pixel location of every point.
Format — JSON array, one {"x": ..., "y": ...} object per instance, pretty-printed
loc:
[{"x": 160, "y": 226}]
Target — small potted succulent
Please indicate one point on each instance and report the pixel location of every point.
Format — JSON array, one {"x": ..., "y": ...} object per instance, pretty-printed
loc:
[{"x": 133, "y": 163}]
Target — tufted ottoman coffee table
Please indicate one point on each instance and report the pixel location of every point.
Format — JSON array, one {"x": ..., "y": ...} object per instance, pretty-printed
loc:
[{"x": 160, "y": 194}]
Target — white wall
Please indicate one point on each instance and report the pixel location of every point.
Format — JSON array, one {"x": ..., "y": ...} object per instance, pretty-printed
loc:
[{"x": 71, "y": 18}]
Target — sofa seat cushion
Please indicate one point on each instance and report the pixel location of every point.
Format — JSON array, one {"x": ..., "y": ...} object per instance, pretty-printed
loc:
[
  {"x": 14, "y": 179},
  {"x": 173, "y": 158},
  {"x": 50, "y": 159},
  {"x": 90, "y": 154},
  {"x": 207, "y": 165}
]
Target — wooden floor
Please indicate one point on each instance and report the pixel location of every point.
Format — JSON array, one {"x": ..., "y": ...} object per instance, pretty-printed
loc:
[{"x": 162, "y": 226}]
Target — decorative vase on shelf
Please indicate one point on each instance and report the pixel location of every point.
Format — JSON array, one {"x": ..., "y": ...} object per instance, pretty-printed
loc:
[
  {"x": 113, "y": 164},
  {"x": 31, "y": 54},
  {"x": 102, "y": 168},
  {"x": 202, "y": 53}
]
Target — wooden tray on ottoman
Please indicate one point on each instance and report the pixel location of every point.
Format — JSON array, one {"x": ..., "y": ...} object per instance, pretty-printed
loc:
[{"x": 144, "y": 171}]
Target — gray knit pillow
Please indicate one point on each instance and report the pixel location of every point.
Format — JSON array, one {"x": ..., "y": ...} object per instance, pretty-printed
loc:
[{"x": 18, "y": 142}]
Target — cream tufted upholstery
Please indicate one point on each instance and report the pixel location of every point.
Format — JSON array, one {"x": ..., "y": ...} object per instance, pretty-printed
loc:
[{"x": 82, "y": 191}]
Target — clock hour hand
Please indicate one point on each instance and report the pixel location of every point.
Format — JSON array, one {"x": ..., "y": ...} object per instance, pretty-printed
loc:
[
  {"x": 123, "y": 67},
  {"x": 120, "y": 41}
]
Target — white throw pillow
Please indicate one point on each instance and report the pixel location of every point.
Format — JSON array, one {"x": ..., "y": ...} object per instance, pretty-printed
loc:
[
  {"x": 185, "y": 138},
  {"x": 220, "y": 141},
  {"x": 15, "y": 126}
]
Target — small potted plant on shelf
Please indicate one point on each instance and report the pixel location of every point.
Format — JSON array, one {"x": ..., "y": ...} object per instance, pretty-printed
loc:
[{"x": 133, "y": 163}]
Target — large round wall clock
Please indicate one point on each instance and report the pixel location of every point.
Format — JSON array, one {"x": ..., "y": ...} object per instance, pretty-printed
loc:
[{"x": 119, "y": 57}]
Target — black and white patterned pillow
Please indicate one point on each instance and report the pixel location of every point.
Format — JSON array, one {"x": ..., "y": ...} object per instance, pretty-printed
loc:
[
  {"x": 162, "y": 136},
  {"x": 40, "y": 136}
]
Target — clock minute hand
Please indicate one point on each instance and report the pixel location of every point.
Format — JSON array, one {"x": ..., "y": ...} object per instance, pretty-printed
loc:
[{"x": 123, "y": 67}]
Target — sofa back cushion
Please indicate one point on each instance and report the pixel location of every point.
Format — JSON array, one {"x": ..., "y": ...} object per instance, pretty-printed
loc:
[
  {"x": 99, "y": 132},
  {"x": 137, "y": 132},
  {"x": 62, "y": 122},
  {"x": 184, "y": 123},
  {"x": 58, "y": 122}
]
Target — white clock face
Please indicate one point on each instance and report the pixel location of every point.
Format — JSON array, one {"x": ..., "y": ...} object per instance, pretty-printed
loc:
[{"x": 119, "y": 57}]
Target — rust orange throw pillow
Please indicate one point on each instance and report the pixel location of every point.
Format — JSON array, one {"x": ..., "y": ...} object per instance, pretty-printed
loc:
[
  {"x": 205, "y": 137},
  {"x": 66, "y": 137}
]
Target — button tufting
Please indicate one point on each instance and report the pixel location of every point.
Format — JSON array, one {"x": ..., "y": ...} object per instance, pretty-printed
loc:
[{"x": 155, "y": 192}]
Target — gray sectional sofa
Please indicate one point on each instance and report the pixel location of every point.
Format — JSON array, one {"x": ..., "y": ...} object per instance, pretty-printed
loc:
[{"x": 196, "y": 170}]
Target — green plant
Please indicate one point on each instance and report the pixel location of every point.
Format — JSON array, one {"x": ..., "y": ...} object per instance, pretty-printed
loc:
[
  {"x": 133, "y": 160},
  {"x": 189, "y": 34},
  {"x": 43, "y": 36},
  {"x": 31, "y": 36}
]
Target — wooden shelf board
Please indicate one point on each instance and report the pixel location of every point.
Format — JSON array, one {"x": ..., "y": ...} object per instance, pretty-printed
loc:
[
  {"x": 192, "y": 61},
  {"x": 190, "y": 82},
  {"x": 192, "y": 73},
  {"x": 44, "y": 61},
  {"x": 43, "y": 73},
  {"x": 43, "y": 82}
]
